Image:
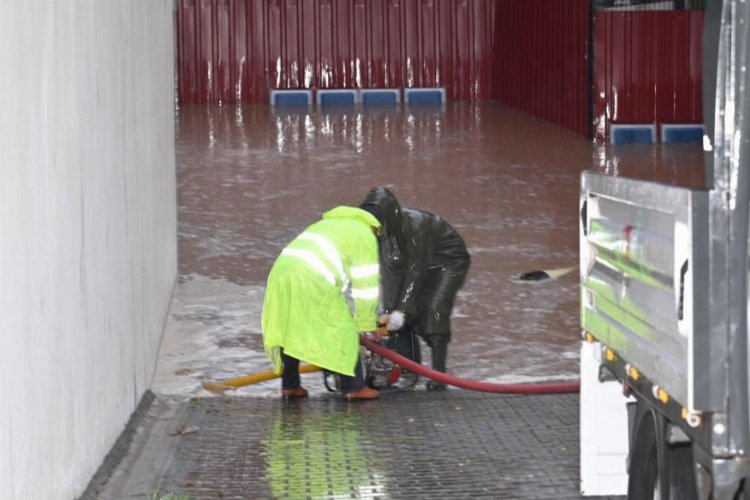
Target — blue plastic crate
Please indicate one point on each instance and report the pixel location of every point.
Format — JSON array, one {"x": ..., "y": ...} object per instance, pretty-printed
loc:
[
  {"x": 425, "y": 95},
  {"x": 681, "y": 133},
  {"x": 380, "y": 96},
  {"x": 291, "y": 97},
  {"x": 340, "y": 97},
  {"x": 632, "y": 133}
]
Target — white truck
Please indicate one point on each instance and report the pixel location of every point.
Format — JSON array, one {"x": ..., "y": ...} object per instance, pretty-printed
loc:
[{"x": 664, "y": 293}]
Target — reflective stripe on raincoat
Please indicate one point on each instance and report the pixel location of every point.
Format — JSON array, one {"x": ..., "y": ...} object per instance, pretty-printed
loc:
[{"x": 305, "y": 310}]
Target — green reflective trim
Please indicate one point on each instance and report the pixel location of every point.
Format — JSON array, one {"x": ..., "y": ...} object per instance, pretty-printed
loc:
[
  {"x": 627, "y": 308},
  {"x": 613, "y": 311},
  {"x": 610, "y": 250}
]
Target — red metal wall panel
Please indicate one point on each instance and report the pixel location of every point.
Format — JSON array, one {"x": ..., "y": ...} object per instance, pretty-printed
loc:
[
  {"x": 647, "y": 68},
  {"x": 541, "y": 59},
  {"x": 236, "y": 50}
]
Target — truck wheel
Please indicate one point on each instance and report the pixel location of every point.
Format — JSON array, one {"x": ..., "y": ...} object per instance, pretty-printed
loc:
[
  {"x": 659, "y": 470},
  {"x": 644, "y": 474}
]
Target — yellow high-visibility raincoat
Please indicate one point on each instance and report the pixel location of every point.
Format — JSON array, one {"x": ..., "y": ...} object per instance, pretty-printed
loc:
[{"x": 305, "y": 310}]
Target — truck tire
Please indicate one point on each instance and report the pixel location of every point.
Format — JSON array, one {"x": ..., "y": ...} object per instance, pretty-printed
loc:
[
  {"x": 643, "y": 471},
  {"x": 658, "y": 470}
]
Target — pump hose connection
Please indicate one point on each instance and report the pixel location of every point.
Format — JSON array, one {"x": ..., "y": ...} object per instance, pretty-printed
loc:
[{"x": 472, "y": 385}]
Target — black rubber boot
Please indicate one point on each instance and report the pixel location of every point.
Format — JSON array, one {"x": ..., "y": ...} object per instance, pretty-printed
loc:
[{"x": 439, "y": 346}]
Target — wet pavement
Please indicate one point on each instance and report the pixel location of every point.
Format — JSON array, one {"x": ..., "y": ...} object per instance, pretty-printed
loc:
[
  {"x": 408, "y": 445},
  {"x": 250, "y": 179}
]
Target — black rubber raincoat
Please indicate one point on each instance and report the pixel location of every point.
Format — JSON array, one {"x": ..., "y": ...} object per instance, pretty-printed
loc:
[{"x": 423, "y": 264}]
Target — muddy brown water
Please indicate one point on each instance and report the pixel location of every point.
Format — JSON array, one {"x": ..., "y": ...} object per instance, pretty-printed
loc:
[{"x": 250, "y": 178}]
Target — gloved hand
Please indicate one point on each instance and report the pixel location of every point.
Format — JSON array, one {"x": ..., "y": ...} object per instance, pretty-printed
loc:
[{"x": 396, "y": 320}]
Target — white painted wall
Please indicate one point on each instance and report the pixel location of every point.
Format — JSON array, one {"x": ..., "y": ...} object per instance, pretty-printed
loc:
[{"x": 87, "y": 230}]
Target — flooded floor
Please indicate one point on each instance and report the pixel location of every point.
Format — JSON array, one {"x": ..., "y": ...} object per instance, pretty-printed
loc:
[{"x": 251, "y": 178}]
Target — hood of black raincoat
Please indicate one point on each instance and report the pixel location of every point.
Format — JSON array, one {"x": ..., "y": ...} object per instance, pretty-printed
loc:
[{"x": 386, "y": 200}]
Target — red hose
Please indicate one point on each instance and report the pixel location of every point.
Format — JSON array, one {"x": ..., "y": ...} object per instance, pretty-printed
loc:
[{"x": 473, "y": 385}]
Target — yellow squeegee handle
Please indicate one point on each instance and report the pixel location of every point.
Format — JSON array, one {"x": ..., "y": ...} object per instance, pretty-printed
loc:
[{"x": 255, "y": 378}]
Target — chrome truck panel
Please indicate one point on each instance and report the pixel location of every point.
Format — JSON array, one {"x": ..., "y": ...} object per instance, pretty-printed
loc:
[{"x": 642, "y": 292}]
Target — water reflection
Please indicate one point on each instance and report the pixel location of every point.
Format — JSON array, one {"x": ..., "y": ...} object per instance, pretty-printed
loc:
[
  {"x": 673, "y": 164},
  {"x": 313, "y": 455}
]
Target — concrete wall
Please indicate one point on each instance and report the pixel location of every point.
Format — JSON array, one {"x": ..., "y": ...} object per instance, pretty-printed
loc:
[{"x": 87, "y": 230}]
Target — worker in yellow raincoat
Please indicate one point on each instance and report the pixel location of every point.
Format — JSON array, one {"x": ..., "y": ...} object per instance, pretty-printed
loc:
[{"x": 306, "y": 315}]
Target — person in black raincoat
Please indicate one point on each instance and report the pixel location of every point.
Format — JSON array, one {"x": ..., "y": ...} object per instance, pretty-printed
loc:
[{"x": 424, "y": 262}]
